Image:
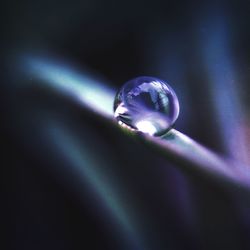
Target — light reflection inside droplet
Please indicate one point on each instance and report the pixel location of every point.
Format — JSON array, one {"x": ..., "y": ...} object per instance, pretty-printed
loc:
[
  {"x": 146, "y": 104},
  {"x": 146, "y": 127}
]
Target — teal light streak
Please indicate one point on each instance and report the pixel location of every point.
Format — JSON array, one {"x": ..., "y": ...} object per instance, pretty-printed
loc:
[
  {"x": 83, "y": 88},
  {"x": 89, "y": 167}
]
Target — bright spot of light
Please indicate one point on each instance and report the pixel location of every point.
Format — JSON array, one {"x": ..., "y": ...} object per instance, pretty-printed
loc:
[
  {"x": 121, "y": 109},
  {"x": 146, "y": 127}
]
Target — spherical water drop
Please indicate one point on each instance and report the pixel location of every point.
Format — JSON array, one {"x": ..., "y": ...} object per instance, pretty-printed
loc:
[{"x": 146, "y": 104}]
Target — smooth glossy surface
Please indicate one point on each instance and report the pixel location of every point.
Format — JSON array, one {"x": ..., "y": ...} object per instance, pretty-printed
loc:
[{"x": 146, "y": 104}]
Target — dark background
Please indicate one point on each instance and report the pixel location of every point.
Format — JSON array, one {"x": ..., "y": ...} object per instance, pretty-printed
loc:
[{"x": 70, "y": 180}]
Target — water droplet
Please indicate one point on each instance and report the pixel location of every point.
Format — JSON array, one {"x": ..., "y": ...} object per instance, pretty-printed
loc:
[{"x": 146, "y": 104}]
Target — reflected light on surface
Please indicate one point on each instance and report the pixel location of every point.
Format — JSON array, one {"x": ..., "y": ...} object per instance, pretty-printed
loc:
[
  {"x": 146, "y": 127},
  {"x": 92, "y": 93},
  {"x": 120, "y": 110}
]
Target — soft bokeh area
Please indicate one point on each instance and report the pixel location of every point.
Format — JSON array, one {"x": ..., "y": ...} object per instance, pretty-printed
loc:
[{"x": 71, "y": 178}]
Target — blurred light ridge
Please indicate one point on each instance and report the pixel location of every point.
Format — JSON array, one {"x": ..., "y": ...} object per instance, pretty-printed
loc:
[{"x": 88, "y": 91}]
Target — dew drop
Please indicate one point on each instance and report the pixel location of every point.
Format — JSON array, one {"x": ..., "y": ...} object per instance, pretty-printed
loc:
[{"x": 146, "y": 104}]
